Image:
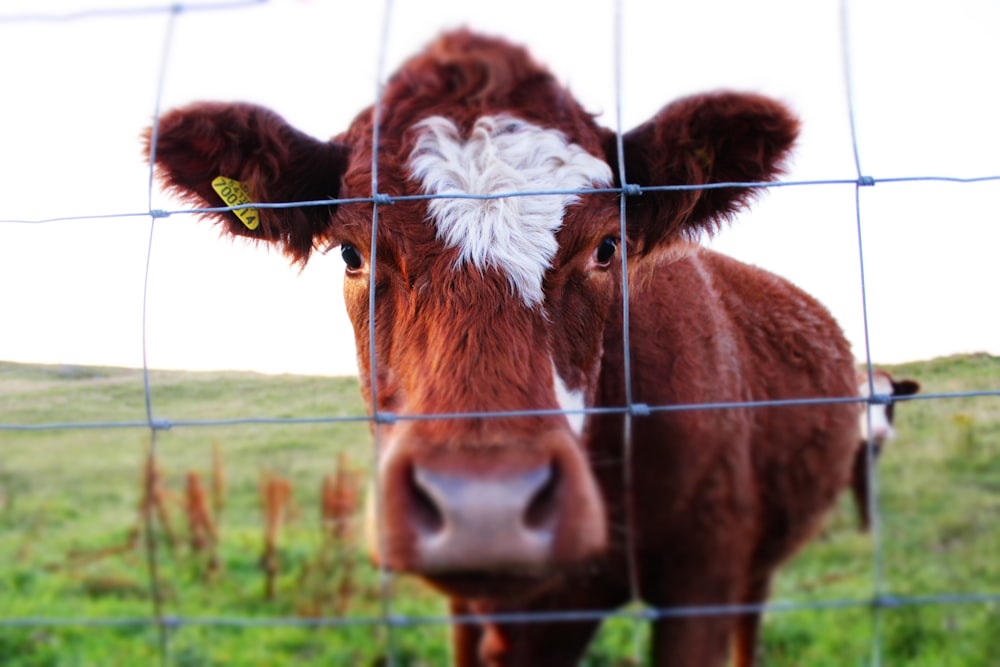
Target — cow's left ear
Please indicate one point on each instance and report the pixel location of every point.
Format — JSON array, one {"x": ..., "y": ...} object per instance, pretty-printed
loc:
[
  {"x": 906, "y": 387},
  {"x": 712, "y": 138}
]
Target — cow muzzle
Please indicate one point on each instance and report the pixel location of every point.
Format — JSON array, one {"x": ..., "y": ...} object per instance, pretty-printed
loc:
[
  {"x": 518, "y": 510},
  {"x": 492, "y": 523}
]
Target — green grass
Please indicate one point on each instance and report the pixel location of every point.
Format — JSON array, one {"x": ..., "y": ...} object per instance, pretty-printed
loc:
[{"x": 67, "y": 496}]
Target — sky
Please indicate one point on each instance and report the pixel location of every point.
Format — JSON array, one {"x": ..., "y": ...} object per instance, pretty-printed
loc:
[{"x": 78, "y": 93}]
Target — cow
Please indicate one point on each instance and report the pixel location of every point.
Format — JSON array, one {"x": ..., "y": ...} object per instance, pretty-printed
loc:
[
  {"x": 550, "y": 482},
  {"x": 876, "y": 430}
]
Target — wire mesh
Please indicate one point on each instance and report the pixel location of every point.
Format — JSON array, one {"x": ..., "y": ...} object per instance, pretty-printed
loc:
[{"x": 167, "y": 624}]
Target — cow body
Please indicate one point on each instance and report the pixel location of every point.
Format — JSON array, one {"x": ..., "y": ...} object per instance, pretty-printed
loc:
[{"x": 512, "y": 305}]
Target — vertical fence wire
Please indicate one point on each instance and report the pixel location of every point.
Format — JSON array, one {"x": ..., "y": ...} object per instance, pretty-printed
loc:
[
  {"x": 871, "y": 470},
  {"x": 152, "y": 455},
  {"x": 386, "y": 577},
  {"x": 628, "y": 475},
  {"x": 389, "y": 621}
]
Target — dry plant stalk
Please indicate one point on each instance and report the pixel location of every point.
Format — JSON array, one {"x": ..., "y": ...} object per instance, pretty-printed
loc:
[
  {"x": 332, "y": 573},
  {"x": 276, "y": 496},
  {"x": 154, "y": 500},
  {"x": 31, "y": 536},
  {"x": 340, "y": 495},
  {"x": 202, "y": 529},
  {"x": 219, "y": 480},
  {"x": 80, "y": 558},
  {"x": 201, "y": 525},
  {"x": 152, "y": 503}
]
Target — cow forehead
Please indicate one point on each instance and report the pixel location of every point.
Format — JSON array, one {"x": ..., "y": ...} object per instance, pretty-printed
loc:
[
  {"x": 883, "y": 384},
  {"x": 502, "y": 154}
]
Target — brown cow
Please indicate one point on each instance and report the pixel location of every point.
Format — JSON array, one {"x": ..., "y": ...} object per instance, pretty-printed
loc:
[
  {"x": 514, "y": 304},
  {"x": 876, "y": 429}
]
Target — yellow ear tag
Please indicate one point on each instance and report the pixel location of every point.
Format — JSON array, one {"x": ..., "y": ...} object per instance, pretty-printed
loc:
[{"x": 234, "y": 193}]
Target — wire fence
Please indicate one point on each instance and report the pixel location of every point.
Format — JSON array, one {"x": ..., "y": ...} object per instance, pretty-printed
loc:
[{"x": 168, "y": 624}]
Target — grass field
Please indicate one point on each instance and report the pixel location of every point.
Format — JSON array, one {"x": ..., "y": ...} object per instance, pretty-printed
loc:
[{"x": 75, "y": 573}]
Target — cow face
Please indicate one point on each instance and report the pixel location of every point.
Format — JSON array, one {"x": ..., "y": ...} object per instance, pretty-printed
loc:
[
  {"x": 472, "y": 301},
  {"x": 877, "y": 421},
  {"x": 468, "y": 301}
]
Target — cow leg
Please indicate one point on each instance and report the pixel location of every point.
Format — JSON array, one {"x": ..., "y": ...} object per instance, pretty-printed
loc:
[
  {"x": 542, "y": 643},
  {"x": 699, "y": 641},
  {"x": 695, "y": 640},
  {"x": 536, "y": 644},
  {"x": 466, "y": 637},
  {"x": 746, "y": 648},
  {"x": 859, "y": 486}
]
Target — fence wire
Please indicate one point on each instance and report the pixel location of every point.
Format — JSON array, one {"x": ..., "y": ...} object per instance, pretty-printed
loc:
[{"x": 389, "y": 619}]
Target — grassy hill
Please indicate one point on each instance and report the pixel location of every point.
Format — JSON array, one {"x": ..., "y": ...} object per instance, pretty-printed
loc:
[{"x": 75, "y": 553}]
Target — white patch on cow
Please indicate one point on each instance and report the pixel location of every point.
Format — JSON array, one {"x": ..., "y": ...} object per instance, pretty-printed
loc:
[
  {"x": 502, "y": 155},
  {"x": 881, "y": 427},
  {"x": 572, "y": 401}
]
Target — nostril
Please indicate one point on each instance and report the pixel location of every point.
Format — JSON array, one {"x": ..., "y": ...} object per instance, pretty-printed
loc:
[
  {"x": 426, "y": 514},
  {"x": 542, "y": 508}
]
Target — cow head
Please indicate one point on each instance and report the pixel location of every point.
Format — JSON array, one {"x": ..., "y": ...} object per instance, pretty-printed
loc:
[
  {"x": 483, "y": 304},
  {"x": 878, "y": 419}
]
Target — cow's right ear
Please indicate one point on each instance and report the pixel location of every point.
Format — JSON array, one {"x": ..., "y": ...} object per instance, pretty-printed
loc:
[
  {"x": 220, "y": 154},
  {"x": 907, "y": 387}
]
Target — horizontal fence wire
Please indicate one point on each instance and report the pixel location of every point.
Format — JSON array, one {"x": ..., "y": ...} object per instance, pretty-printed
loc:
[
  {"x": 403, "y": 620},
  {"x": 383, "y": 417},
  {"x": 629, "y": 190},
  {"x": 124, "y": 12},
  {"x": 169, "y": 623}
]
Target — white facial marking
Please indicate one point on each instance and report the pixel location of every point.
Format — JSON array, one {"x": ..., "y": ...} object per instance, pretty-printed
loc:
[
  {"x": 570, "y": 399},
  {"x": 503, "y": 154},
  {"x": 881, "y": 427}
]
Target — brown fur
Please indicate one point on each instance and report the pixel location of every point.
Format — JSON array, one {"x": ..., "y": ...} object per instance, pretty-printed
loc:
[{"x": 719, "y": 498}]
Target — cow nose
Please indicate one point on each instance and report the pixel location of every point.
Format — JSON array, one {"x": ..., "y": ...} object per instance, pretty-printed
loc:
[{"x": 472, "y": 522}]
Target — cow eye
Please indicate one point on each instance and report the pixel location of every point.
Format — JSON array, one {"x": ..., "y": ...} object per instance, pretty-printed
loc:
[
  {"x": 352, "y": 257},
  {"x": 605, "y": 251}
]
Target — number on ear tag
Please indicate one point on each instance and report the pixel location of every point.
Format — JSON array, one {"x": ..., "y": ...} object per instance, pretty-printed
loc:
[{"x": 234, "y": 193}]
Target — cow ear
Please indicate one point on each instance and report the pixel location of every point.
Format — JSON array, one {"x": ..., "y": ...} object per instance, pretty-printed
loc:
[
  {"x": 260, "y": 158},
  {"x": 906, "y": 387},
  {"x": 712, "y": 138}
]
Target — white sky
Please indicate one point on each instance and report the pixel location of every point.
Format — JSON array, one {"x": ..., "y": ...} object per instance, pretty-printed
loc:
[{"x": 77, "y": 94}]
